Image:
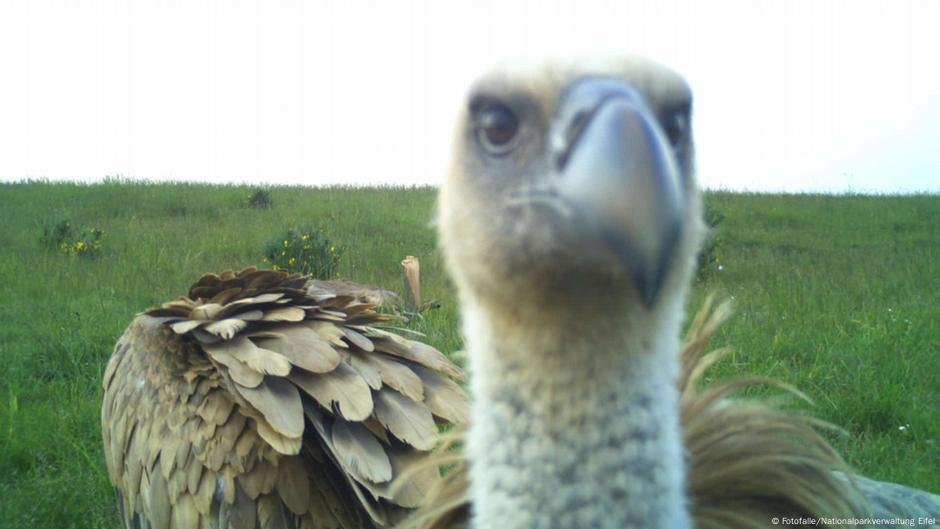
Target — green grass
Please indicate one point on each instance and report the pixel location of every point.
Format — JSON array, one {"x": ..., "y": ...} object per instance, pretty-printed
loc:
[{"x": 838, "y": 295}]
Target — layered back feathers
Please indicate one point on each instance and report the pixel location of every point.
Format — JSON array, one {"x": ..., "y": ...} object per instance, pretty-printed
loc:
[{"x": 256, "y": 401}]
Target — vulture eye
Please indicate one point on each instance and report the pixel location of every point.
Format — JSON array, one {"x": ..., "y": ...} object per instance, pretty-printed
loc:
[
  {"x": 675, "y": 126},
  {"x": 497, "y": 127}
]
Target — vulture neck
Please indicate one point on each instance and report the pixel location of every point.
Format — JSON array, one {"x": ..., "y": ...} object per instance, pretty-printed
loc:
[{"x": 576, "y": 417}]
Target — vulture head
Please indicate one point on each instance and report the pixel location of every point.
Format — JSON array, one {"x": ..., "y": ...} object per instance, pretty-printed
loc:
[
  {"x": 574, "y": 180},
  {"x": 570, "y": 220}
]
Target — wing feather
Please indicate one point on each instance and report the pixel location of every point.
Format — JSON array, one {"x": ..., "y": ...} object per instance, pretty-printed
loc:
[
  {"x": 253, "y": 357},
  {"x": 360, "y": 452},
  {"x": 204, "y": 417},
  {"x": 292, "y": 484},
  {"x": 416, "y": 352},
  {"x": 443, "y": 397},
  {"x": 279, "y": 402},
  {"x": 239, "y": 371},
  {"x": 369, "y": 371},
  {"x": 342, "y": 387},
  {"x": 408, "y": 420},
  {"x": 303, "y": 347}
]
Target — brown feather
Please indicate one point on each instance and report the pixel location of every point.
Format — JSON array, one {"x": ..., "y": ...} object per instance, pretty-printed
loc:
[
  {"x": 408, "y": 420},
  {"x": 246, "y": 441},
  {"x": 207, "y": 311},
  {"x": 376, "y": 429},
  {"x": 328, "y": 331},
  {"x": 256, "y": 358},
  {"x": 359, "y": 340},
  {"x": 257, "y": 481},
  {"x": 271, "y": 514},
  {"x": 359, "y": 451},
  {"x": 239, "y": 371},
  {"x": 443, "y": 397},
  {"x": 279, "y": 402},
  {"x": 216, "y": 407},
  {"x": 417, "y": 481},
  {"x": 193, "y": 475},
  {"x": 369, "y": 371},
  {"x": 239, "y": 513},
  {"x": 205, "y": 493},
  {"x": 396, "y": 375},
  {"x": 416, "y": 352},
  {"x": 280, "y": 443},
  {"x": 293, "y": 485},
  {"x": 185, "y": 514},
  {"x": 284, "y": 314},
  {"x": 303, "y": 347},
  {"x": 220, "y": 447},
  {"x": 156, "y": 500},
  {"x": 327, "y": 506},
  {"x": 203, "y": 410},
  {"x": 342, "y": 387},
  {"x": 186, "y": 326}
]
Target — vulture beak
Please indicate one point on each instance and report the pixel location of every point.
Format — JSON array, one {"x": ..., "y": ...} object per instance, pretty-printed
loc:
[{"x": 617, "y": 171}]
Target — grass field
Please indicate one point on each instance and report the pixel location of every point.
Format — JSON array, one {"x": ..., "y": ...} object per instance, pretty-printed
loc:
[{"x": 837, "y": 295}]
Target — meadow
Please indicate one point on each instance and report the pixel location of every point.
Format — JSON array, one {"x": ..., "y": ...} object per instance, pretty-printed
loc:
[{"x": 838, "y": 295}]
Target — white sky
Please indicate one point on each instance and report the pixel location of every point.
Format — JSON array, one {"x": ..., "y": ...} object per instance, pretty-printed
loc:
[{"x": 791, "y": 95}]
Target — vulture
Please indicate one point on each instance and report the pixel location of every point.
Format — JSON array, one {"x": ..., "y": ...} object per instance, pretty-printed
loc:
[
  {"x": 570, "y": 221},
  {"x": 264, "y": 400}
]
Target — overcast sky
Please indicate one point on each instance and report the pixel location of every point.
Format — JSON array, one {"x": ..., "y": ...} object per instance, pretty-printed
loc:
[{"x": 790, "y": 95}]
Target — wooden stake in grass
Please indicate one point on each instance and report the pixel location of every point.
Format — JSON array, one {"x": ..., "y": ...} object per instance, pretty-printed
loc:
[{"x": 411, "y": 277}]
